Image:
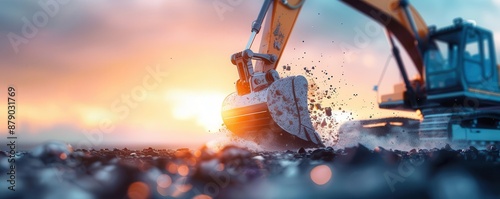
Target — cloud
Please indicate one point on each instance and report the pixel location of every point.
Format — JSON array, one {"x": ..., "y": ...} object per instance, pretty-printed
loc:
[{"x": 496, "y": 2}]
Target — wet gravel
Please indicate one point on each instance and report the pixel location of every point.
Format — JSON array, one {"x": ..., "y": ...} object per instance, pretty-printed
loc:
[{"x": 55, "y": 170}]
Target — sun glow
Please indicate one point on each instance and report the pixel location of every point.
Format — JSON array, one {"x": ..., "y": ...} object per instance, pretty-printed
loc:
[
  {"x": 92, "y": 115},
  {"x": 203, "y": 107},
  {"x": 342, "y": 116}
]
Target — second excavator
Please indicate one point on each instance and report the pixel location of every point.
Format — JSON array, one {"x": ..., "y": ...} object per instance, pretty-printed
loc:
[{"x": 458, "y": 95}]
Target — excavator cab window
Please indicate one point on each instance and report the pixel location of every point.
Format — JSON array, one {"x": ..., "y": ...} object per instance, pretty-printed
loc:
[
  {"x": 460, "y": 50},
  {"x": 461, "y": 57},
  {"x": 478, "y": 67},
  {"x": 473, "y": 69},
  {"x": 479, "y": 61},
  {"x": 441, "y": 63}
]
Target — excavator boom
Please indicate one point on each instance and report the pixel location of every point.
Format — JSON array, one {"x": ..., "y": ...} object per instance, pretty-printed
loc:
[{"x": 278, "y": 28}]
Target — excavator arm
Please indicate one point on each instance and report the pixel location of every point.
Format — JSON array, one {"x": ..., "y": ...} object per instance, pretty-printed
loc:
[
  {"x": 279, "y": 25},
  {"x": 397, "y": 16},
  {"x": 400, "y": 19}
]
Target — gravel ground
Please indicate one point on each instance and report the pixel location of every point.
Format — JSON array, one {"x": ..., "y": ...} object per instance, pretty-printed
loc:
[{"x": 54, "y": 170}]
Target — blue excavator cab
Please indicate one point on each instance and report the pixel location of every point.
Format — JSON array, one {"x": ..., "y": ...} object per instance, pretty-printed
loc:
[
  {"x": 461, "y": 96},
  {"x": 461, "y": 63}
]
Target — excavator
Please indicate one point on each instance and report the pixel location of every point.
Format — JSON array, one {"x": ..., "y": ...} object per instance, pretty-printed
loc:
[{"x": 457, "y": 96}]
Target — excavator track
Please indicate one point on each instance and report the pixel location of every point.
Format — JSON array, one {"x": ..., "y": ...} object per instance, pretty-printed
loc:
[
  {"x": 460, "y": 127},
  {"x": 479, "y": 128},
  {"x": 435, "y": 126}
]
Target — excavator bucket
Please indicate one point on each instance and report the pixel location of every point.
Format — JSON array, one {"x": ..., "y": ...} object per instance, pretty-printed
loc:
[
  {"x": 276, "y": 117},
  {"x": 266, "y": 109}
]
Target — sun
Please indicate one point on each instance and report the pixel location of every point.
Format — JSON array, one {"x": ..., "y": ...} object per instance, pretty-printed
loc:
[
  {"x": 202, "y": 107},
  {"x": 342, "y": 116}
]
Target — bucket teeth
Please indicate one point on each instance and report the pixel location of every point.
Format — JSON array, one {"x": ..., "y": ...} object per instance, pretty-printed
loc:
[{"x": 276, "y": 117}]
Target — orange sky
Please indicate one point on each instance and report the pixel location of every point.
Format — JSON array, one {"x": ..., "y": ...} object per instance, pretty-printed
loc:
[{"x": 91, "y": 66}]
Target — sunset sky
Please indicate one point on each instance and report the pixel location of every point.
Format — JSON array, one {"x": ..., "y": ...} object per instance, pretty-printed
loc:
[{"x": 156, "y": 71}]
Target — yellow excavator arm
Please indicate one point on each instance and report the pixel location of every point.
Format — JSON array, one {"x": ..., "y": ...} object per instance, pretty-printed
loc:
[
  {"x": 279, "y": 26},
  {"x": 409, "y": 29}
]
